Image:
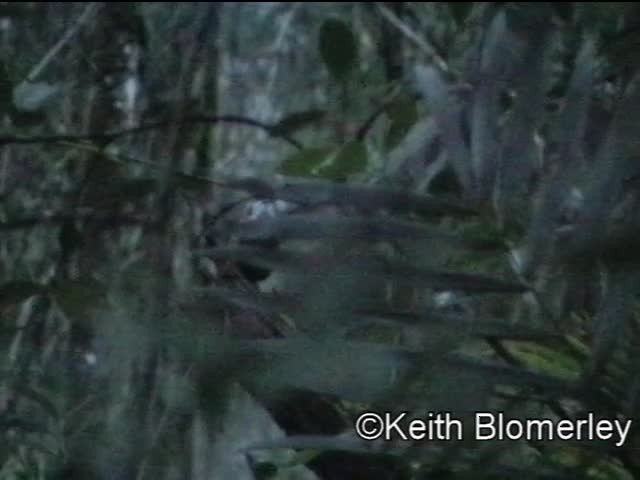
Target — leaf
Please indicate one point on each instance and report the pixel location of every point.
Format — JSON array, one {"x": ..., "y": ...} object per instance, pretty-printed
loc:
[
  {"x": 16, "y": 292},
  {"x": 568, "y": 132},
  {"x": 374, "y": 267},
  {"x": 436, "y": 319},
  {"x": 547, "y": 360},
  {"x": 212, "y": 298},
  {"x": 327, "y": 163},
  {"x": 497, "y": 57},
  {"x": 611, "y": 318},
  {"x": 519, "y": 152},
  {"x": 370, "y": 229},
  {"x": 338, "y": 48},
  {"x": 463, "y": 282},
  {"x": 304, "y": 162},
  {"x": 33, "y": 96},
  {"x": 350, "y": 159},
  {"x": 403, "y": 115},
  {"x": 356, "y": 371},
  {"x": 447, "y": 115},
  {"x": 508, "y": 375},
  {"x": 369, "y": 198},
  {"x": 297, "y": 121},
  {"x": 312, "y": 193}
]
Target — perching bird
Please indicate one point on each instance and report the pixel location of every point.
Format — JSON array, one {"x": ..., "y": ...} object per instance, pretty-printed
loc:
[{"x": 218, "y": 233}]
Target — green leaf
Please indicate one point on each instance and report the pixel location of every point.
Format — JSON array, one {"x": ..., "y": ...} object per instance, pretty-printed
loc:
[
  {"x": 338, "y": 48},
  {"x": 403, "y": 115},
  {"x": 15, "y": 292},
  {"x": 460, "y": 10},
  {"x": 297, "y": 121},
  {"x": 547, "y": 360},
  {"x": 350, "y": 159},
  {"x": 304, "y": 162}
]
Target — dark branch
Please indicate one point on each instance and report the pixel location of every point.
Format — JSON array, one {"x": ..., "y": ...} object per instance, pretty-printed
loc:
[
  {"x": 105, "y": 138},
  {"x": 59, "y": 219}
]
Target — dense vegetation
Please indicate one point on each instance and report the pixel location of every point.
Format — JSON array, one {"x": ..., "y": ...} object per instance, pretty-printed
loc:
[{"x": 230, "y": 228}]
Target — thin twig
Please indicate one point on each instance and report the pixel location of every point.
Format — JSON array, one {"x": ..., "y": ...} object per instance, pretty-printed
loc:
[
  {"x": 109, "y": 137},
  {"x": 413, "y": 36},
  {"x": 60, "y": 219},
  {"x": 362, "y": 131},
  {"x": 90, "y": 10},
  {"x": 285, "y": 24}
]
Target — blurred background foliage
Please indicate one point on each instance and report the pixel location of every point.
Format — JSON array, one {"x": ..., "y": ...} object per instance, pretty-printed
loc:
[{"x": 229, "y": 228}]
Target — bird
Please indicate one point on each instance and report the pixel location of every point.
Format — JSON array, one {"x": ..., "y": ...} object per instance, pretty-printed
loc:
[{"x": 217, "y": 232}]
